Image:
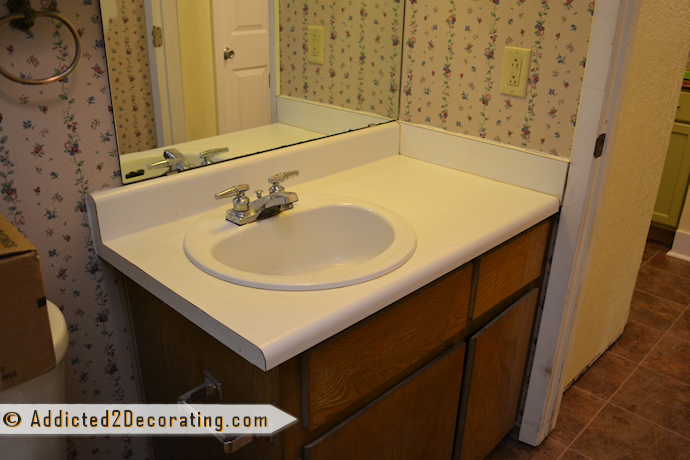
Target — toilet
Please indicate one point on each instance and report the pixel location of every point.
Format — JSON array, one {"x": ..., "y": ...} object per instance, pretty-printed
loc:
[{"x": 48, "y": 388}]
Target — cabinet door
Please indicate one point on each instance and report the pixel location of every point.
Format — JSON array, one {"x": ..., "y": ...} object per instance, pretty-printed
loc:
[
  {"x": 414, "y": 420},
  {"x": 674, "y": 180},
  {"x": 495, "y": 370}
]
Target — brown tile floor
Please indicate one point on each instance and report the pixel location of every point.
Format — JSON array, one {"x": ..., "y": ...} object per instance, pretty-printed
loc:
[{"x": 634, "y": 402}]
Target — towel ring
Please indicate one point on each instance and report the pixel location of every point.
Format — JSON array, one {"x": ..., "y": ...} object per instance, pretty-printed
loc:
[{"x": 60, "y": 76}]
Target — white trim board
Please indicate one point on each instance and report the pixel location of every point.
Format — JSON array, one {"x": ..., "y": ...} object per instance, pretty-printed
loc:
[
  {"x": 166, "y": 72},
  {"x": 488, "y": 159},
  {"x": 220, "y": 11},
  {"x": 321, "y": 118},
  {"x": 681, "y": 246},
  {"x": 274, "y": 56},
  {"x": 606, "y": 65}
]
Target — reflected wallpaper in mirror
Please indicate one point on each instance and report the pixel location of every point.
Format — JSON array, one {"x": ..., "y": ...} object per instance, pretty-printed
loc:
[
  {"x": 124, "y": 31},
  {"x": 362, "y": 54}
]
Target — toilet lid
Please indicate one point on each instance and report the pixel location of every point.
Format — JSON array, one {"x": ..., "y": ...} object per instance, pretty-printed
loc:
[{"x": 58, "y": 327}]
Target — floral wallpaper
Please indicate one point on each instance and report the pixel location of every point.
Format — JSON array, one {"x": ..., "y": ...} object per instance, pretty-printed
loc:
[
  {"x": 130, "y": 78},
  {"x": 361, "y": 69},
  {"x": 57, "y": 144},
  {"x": 452, "y": 63}
]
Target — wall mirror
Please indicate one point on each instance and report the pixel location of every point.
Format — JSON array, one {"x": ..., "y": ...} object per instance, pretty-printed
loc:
[{"x": 246, "y": 75}]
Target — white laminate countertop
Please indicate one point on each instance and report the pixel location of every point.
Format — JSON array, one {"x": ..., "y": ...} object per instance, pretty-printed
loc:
[{"x": 456, "y": 216}]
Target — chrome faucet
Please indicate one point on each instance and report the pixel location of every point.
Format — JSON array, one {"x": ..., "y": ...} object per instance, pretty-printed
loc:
[
  {"x": 245, "y": 211},
  {"x": 174, "y": 160}
]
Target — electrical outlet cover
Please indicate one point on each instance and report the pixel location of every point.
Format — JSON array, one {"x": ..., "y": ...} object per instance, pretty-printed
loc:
[
  {"x": 515, "y": 58},
  {"x": 315, "y": 48}
]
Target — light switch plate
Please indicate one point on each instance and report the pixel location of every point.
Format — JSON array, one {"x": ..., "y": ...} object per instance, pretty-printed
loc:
[
  {"x": 515, "y": 76},
  {"x": 315, "y": 35}
]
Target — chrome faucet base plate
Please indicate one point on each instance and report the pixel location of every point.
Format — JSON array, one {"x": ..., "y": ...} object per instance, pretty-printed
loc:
[{"x": 242, "y": 218}]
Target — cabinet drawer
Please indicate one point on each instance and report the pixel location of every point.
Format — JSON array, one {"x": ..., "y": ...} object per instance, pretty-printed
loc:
[
  {"x": 414, "y": 420},
  {"x": 683, "y": 111},
  {"x": 510, "y": 267},
  {"x": 372, "y": 356}
]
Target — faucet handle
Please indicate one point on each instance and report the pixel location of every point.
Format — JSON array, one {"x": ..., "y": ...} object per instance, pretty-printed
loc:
[
  {"x": 167, "y": 163},
  {"x": 237, "y": 190},
  {"x": 208, "y": 154},
  {"x": 276, "y": 179},
  {"x": 240, "y": 203}
]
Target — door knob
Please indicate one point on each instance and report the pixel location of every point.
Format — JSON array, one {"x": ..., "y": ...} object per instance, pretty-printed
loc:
[{"x": 228, "y": 53}]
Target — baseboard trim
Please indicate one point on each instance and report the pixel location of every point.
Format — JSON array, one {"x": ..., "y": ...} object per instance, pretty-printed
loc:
[{"x": 681, "y": 246}]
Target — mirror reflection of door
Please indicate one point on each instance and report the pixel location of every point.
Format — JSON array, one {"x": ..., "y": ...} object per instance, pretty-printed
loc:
[
  {"x": 242, "y": 81},
  {"x": 220, "y": 95}
]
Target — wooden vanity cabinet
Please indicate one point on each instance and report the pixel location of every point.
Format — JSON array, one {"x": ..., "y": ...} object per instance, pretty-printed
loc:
[{"x": 436, "y": 375}]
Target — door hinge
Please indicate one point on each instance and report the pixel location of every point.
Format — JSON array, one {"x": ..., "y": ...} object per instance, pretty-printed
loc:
[
  {"x": 269, "y": 79},
  {"x": 157, "y": 36},
  {"x": 599, "y": 146}
]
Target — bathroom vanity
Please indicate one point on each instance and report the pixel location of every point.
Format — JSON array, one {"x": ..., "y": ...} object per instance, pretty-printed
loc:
[
  {"x": 427, "y": 361},
  {"x": 440, "y": 370}
]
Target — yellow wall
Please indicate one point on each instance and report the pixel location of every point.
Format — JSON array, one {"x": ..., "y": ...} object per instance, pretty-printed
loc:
[
  {"x": 659, "y": 56},
  {"x": 196, "y": 53}
]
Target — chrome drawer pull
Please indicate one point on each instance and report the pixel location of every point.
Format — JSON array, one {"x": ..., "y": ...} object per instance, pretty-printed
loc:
[{"x": 213, "y": 387}]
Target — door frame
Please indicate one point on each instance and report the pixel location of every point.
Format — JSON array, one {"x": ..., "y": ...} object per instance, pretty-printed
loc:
[
  {"x": 608, "y": 59},
  {"x": 166, "y": 72}
]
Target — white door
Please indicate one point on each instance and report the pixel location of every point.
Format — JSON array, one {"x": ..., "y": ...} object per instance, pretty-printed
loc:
[{"x": 242, "y": 85}]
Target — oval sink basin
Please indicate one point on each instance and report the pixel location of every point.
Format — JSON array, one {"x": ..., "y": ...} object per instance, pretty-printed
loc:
[{"x": 323, "y": 242}]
